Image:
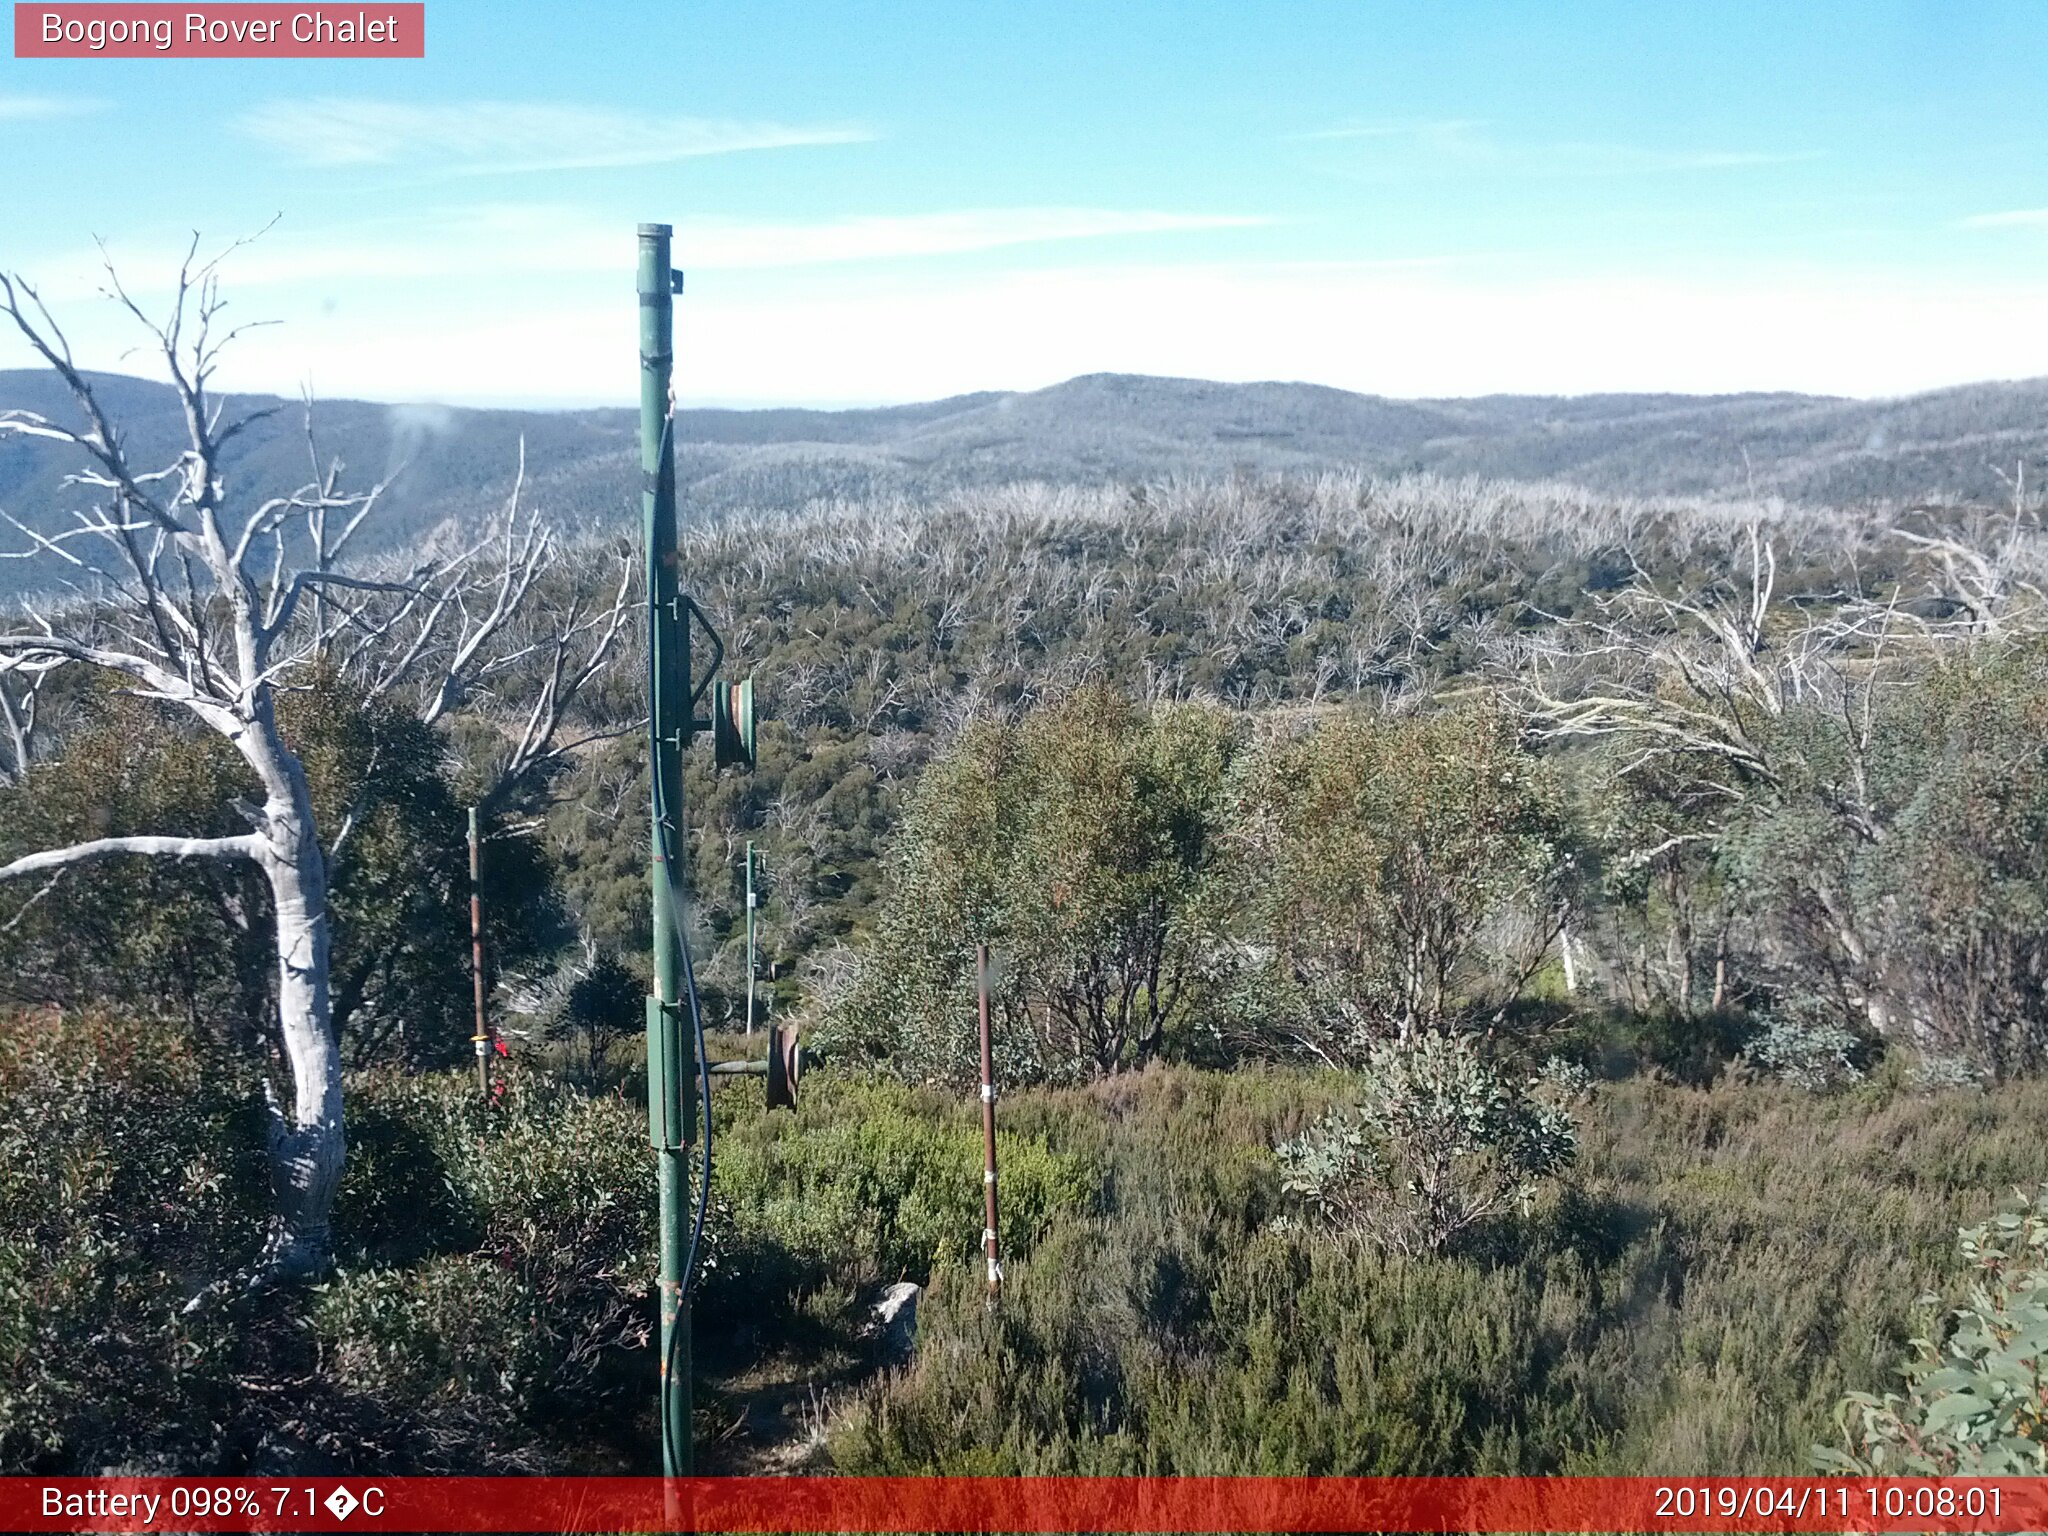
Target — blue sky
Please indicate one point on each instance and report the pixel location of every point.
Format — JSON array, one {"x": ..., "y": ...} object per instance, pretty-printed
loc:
[{"x": 887, "y": 201}]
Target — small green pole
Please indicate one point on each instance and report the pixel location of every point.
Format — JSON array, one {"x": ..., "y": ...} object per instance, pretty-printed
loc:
[
  {"x": 671, "y": 1048},
  {"x": 751, "y": 971}
]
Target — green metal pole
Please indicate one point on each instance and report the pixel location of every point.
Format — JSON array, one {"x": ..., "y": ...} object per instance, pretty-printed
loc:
[
  {"x": 750, "y": 939},
  {"x": 671, "y": 1048}
]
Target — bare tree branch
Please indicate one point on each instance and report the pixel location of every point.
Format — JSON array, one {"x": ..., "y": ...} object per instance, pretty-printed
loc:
[{"x": 247, "y": 846}]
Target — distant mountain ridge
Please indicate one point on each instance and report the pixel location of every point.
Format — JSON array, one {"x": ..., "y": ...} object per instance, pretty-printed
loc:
[{"x": 582, "y": 464}]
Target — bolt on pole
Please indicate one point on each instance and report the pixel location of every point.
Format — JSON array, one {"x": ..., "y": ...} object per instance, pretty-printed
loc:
[
  {"x": 481, "y": 1040},
  {"x": 988, "y": 1131},
  {"x": 671, "y": 1048}
]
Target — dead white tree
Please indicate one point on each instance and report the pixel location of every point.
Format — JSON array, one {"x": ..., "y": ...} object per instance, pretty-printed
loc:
[
  {"x": 1691, "y": 687},
  {"x": 21, "y": 691},
  {"x": 215, "y": 611},
  {"x": 1680, "y": 677},
  {"x": 1988, "y": 569}
]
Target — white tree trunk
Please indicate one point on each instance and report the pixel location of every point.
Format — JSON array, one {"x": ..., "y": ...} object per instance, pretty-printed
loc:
[{"x": 306, "y": 1140}]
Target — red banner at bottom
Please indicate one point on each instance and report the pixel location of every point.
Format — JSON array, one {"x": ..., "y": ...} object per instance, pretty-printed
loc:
[{"x": 1023, "y": 1504}]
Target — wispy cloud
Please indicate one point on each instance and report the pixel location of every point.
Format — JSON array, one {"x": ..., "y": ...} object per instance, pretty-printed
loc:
[
  {"x": 1465, "y": 144},
  {"x": 25, "y": 109},
  {"x": 513, "y": 239},
  {"x": 500, "y": 136},
  {"x": 878, "y": 237},
  {"x": 2014, "y": 218}
]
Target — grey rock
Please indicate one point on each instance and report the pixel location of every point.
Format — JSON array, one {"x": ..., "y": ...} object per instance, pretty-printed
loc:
[{"x": 896, "y": 1315}]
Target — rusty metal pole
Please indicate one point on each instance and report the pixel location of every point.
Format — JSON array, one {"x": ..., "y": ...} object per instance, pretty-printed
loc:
[
  {"x": 751, "y": 904},
  {"x": 988, "y": 1131},
  {"x": 481, "y": 1040}
]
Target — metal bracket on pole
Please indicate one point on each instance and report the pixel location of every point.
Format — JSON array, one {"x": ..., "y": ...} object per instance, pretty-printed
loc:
[
  {"x": 669, "y": 1052},
  {"x": 690, "y": 610},
  {"x": 783, "y": 1066}
]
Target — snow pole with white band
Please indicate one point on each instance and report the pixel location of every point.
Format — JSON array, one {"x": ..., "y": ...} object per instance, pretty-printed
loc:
[{"x": 988, "y": 1131}]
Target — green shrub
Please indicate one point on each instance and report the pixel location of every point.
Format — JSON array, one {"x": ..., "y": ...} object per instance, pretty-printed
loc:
[
  {"x": 1439, "y": 1141},
  {"x": 1080, "y": 843},
  {"x": 1393, "y": 874},
  {"x": 490, "y": 1309},
  {"x": 1898, "y": 861},
  {"x": 595, "y": 1007},
  {"x": 1976, "y": 1398},
  {"x": 131, "y": 1175},
  {"x": 1802, "y": 1045},
  {"x": 1936, "y": 1073},
  {"x": 1564, "y": 1080},
  {"x": 448, "y": 1353},
  {"x": 549, "y": 1185},
  {"x": 872, "y": 1180},
  {"x": 1721, "y": 1266}
]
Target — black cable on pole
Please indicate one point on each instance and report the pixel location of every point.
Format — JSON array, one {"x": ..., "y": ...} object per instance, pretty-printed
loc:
[
  {"x": 704, "y": 1097},
  {"x": 667, "y": 831}
]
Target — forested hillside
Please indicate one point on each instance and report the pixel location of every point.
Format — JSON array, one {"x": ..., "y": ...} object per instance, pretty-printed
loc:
[{"x": 451, "y": 463}]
